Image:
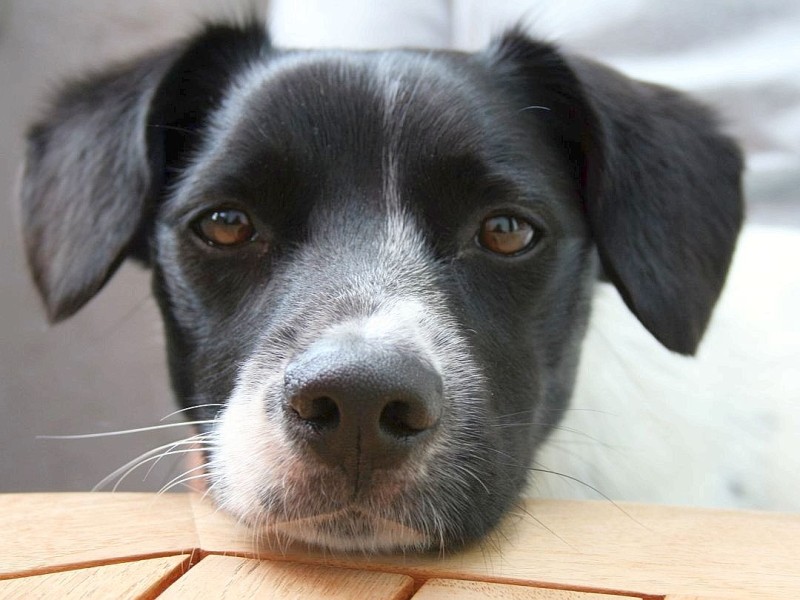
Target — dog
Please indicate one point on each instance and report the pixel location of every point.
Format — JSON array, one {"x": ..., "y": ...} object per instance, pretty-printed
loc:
[{"x": 376, "y": 269}]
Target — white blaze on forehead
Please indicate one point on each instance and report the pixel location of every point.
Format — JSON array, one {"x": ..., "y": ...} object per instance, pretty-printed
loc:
[
  {"x": 391, "y": 128},
  {"x": 402, "y": 324},
  {"x": 397, "y": 90}
]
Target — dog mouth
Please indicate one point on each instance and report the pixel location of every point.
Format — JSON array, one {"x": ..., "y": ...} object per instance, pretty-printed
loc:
[
  {"x": 350, "y": 529},
  {"x": 325, "y": 511},
  {"x": 285, "y": 497}
]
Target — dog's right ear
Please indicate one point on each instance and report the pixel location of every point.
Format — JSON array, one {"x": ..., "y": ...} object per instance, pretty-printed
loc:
[{"x": 98, "y": 161}]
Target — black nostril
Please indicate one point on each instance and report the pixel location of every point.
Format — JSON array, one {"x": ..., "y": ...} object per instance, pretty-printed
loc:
[
  {"x": 320, "y": 412},
  {"x": 404, "y": 419},
  {"x": 361, "y": 405}
]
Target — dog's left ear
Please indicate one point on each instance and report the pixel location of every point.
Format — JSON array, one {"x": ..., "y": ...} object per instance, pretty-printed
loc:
[
  {"x": 661, "y": 186},
  {"x": 104, "y": 151}
]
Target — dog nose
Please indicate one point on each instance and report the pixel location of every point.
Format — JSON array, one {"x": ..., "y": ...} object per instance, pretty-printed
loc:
[{"x": 360, "y": 406}]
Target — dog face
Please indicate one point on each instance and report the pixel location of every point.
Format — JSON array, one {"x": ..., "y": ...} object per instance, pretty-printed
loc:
[{"x": 375, "y": 268}]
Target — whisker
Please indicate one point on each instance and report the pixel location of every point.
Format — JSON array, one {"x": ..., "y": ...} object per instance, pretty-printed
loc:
[
  {"x": 467, "y": 471},
  {"x": 85, "y": 436},
  {"x": 181, "y": 482},
  {"x": 150, "y": 459},
  {"x": 543, "y": 469},
  {"x": 557, "y": 411},
  {"x": 172, "y": 128},
  {"x": 557, "y": 427},
  {"x": 175, "y": 480},
  {"x": 200, "y": 438},
  {"x": 593, "y": 488},
  {"x": 135, "y": 461},
  {"x": 534, "y": 108},
  {"x": 176, "y": 412},
  {"x": 107, "y": 331},
  {"x": 209, "y": 489},
  {"x": 521, "y": 507}
]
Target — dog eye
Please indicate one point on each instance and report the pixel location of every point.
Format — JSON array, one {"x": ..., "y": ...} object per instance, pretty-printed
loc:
[
  {"x": 225, "y": 227},
  {"x": 506, "y": 235}
]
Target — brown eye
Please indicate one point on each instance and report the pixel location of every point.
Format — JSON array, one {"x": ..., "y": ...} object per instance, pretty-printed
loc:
[
  {"x": 506, "y": 235},
  {"x": 225, "y": 227}
]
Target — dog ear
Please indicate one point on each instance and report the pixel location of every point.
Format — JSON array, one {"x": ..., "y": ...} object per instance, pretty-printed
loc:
[
  {"x": 98, "y": 161},
  {"x": 661, "y": 186}
]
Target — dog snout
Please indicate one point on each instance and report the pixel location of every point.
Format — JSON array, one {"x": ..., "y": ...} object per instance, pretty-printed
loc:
[{"x": 361, "y": 406}]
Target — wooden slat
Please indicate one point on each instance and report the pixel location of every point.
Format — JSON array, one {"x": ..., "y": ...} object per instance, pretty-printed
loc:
[
  {"x": 684, "y": 597},
  {"x": 48, "y": 532},
  {"x": 229, "y": 577},
  {"x": 622, "y": 548},
  {"x": 136, "y": 580},
  {"x": 447, "y": 589},
  {"x": 589, "y": 546}
]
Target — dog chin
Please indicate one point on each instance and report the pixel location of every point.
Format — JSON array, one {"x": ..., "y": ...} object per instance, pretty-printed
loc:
[
  {"x": 259, "y": 477},
  {"x": 350, "y": 530}
]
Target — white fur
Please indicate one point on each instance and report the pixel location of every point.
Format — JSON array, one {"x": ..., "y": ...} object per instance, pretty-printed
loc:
[{"x": 719, "y": 429}]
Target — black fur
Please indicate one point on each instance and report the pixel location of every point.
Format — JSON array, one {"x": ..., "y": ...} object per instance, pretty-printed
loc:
[{"x": 124, "y": 161}]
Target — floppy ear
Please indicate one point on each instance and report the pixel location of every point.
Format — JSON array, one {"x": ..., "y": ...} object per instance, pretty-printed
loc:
[
  {"x": 99, "y": 159},
  {"x": 661, "y": 186}
]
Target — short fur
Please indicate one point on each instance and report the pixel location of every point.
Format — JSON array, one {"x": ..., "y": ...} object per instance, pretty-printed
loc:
[{"x": 368, "y": 175}]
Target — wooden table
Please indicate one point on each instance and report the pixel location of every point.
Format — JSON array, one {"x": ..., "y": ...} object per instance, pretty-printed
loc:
[{"x": 177, "y": 546}]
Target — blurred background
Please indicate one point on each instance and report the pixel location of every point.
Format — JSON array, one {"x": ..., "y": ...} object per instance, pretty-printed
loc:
[{"x": 104, "y": 369}]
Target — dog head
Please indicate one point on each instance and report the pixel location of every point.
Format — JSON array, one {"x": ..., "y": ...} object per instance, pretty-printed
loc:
[{"x": 375, "y": 268}]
